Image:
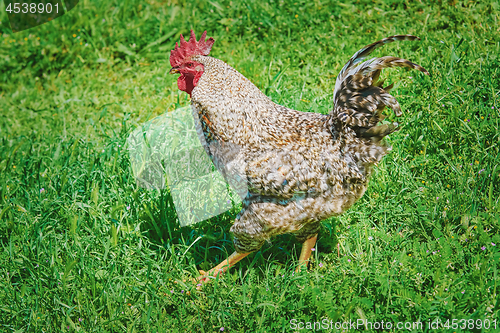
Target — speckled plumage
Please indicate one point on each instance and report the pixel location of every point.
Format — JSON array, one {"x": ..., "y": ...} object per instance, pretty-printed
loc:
[{"x": 293, "y": 169}]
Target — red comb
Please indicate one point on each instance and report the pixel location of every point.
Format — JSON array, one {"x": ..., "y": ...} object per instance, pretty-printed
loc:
[{"x": 190, "y": 48}]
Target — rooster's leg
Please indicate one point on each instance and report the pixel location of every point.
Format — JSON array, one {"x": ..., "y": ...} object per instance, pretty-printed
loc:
[
  {"x": 305, "y": 253},
  {"x": 223, "y": 266}
]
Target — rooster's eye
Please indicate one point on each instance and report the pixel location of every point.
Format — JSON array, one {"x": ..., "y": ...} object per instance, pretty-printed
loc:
[{"x": 189, "y": 64}]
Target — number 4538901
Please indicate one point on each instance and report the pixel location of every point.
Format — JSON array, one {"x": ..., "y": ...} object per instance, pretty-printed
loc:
[
  {"x": 470, "y": 324},
  {"x": 32, "y": 8}
]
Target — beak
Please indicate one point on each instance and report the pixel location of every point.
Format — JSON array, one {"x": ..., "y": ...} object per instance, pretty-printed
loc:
[{"x": 174, "y": 70}]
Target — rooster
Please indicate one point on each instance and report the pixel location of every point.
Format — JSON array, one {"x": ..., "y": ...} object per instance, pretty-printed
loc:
[{"x": 295, "y": 168}]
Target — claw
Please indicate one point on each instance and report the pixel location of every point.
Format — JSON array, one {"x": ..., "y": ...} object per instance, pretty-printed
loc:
[
  {"x": 221, "y": 268},
  {"x": 300, "y": 267},
  {"x": 201, "y": 279},
  {"x": 205, "y": 277}
]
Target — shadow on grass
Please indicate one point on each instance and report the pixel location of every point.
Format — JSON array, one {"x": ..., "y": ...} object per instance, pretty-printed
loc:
[{"x": 209, "y": 242}]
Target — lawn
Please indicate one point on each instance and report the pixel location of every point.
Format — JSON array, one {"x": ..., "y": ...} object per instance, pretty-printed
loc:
[{"x": 84, "y": 248}]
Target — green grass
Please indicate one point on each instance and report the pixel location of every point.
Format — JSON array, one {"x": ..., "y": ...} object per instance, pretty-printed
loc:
[{"x": 85, "y": 249}]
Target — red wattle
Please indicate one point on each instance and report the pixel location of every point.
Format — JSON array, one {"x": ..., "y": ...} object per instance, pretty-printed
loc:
[{"x": 185, "y": 83}]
